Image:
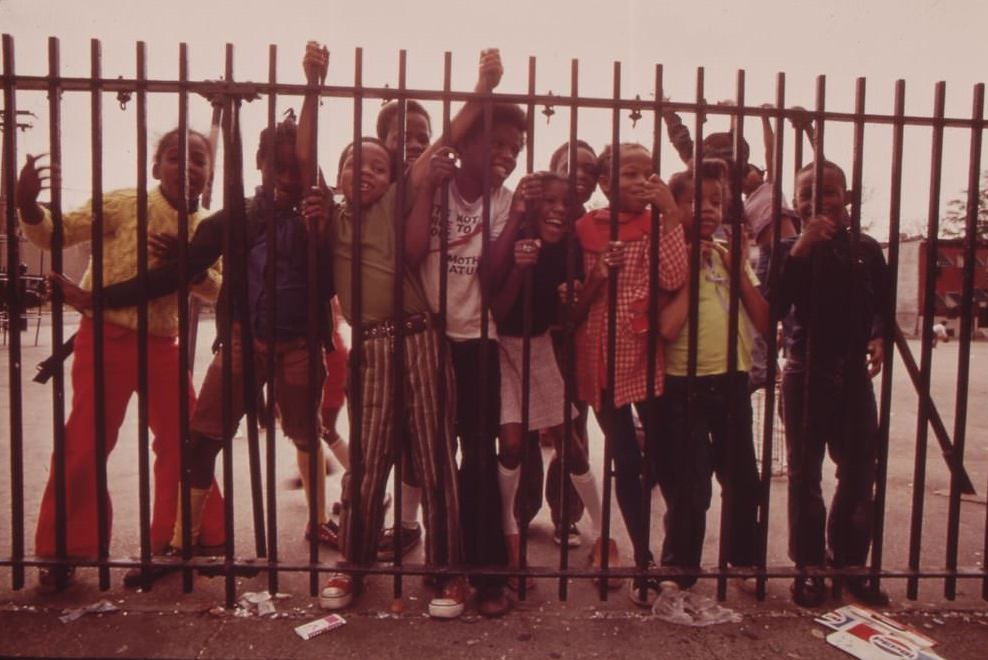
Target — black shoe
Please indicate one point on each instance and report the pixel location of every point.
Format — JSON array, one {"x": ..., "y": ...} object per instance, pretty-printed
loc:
[
  {"x": 134, "y": 578},
  {"x": 410, "y": 537},
  {"x": 49, "y": 577},
  {"x": 864, "y": 592},
  {"x": 808, "y": 591}
]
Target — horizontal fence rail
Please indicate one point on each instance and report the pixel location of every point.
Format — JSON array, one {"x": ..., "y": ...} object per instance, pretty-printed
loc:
[{"x": 414, "y": 373}]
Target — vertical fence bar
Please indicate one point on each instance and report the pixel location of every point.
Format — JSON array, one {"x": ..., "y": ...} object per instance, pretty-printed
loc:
[
  {"x": 57, "y": 333},
  {"x": 317, "y": 469},
  {"x": 885, "y": 404},
  {"x": 652, "y": 343},
  {"x": 357, "y": 349},
  {"x": 771, "y": 347},
  {"x": 143, "y": 437},
  {"x": 857, "y": 160},
  {"x": 926, "y": 351},
  {"x": 249, "y": 389},
  {"x": 398, "y": 436},
  {"x": 735, "y": 392},
  {"x": 99, "y": 381},
  {"x": 815, "y": 274},
  {"x": 526, "y": 346},
  {"x": 234, "y": 266},
  {"x": 485, "y": 233},
  {"x": 567, "y": 362},
  {"x": 967, "y": 313},
  {"x": 693, "y": 303},
  {"x": 183, "y": 317},
  {"x": 443, "y": 402},
  {"x": 13, "y": 318},
  {"x": 270, "y": 284},
  {"x": 611, "y": 337}
]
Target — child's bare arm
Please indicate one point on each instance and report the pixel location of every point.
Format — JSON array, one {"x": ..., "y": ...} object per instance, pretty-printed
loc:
[
  {"x": 418, "y": 222},
  {"x": 768, "y": 140},
  {"x": 672, "y": 316},
  {"x": 497, "y": 260},
  {"x": 488, "y": 77},
  {"x": 315, "y": 64},
  {"x": 526, "y": 254},
  {"x": 754, "y": 302},
  {"x": 597, "y": 279}
]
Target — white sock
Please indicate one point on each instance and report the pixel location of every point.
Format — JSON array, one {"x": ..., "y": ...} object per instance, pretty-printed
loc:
[
  {"x": 411, "y": 498},
  {"x": 508, "y": 481},
  {"x": 341, "y": 452},
  {"x": 586, "y": 487}
]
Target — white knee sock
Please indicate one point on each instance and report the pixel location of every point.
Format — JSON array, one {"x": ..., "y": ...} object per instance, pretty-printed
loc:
[
  {"x": 341, "y": 451},
  {"x": 411, "y": 498},
  {"x": 508, "y": 481},
  {"x": 586, "y": 487}
]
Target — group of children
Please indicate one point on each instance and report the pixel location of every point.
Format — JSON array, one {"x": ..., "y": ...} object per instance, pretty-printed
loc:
[{"x": 491, "y": 291}]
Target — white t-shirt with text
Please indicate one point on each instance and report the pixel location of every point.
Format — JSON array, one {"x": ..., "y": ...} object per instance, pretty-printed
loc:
[{"x": 463, "y": 309}]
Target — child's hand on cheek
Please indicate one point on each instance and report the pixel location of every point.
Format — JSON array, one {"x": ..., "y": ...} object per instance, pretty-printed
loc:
[
  {"x": 442, "y": 166},
  {"x": 529, "y": 190},
  {"x": 490, "y": 70},
  {"x": 659, "y": 195}
]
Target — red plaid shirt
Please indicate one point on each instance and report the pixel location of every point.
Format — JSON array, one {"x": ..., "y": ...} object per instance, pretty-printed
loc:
[{"x": 631, "y": 354}]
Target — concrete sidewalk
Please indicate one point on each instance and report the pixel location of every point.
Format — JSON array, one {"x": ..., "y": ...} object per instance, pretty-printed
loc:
[{"x": 167, "y": 623}]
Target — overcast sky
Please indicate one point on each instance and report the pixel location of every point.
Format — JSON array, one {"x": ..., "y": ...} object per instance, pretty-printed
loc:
[{"x": 922, "y": 41}]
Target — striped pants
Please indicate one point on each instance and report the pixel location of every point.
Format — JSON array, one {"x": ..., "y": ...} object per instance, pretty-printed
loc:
[{"x": 434, "y": 467}]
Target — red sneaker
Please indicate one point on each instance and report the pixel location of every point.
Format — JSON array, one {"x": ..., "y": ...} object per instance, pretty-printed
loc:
[
  {"x": 337, "y": 593},
  {"x": 451, "y": 600}
]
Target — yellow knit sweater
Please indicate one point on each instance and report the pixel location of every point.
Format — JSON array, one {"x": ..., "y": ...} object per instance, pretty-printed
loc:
[{"x": 120, "y": 252}]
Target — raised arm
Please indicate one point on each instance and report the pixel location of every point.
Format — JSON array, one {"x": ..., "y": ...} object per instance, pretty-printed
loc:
[
  {"x": 315, "y": 64},
  {"x": 36, "y": 221},
  {"x": 498, "y": 258},
  {"x": 768, "y": 140},
  {"x": 418, "y": 223},
  {"x": 488, "y": 77}
]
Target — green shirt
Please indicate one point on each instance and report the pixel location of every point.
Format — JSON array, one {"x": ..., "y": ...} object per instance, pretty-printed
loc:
[
  {"x": 378, "y": 250},
  {"x": 715, "y": 291}
]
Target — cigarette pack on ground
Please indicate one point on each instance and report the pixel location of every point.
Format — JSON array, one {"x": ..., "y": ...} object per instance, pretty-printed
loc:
[{"x": 319, "y": 626}]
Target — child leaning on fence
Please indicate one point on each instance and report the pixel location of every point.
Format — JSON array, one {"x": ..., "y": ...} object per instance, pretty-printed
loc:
[
  {"x": 246, "y": 280},
  {"x": 627, "y": 259},
  {"x": 373, "y": 190},
  {"x": 120, "y": 352},
  {"x": 475, "y": 360},
  {"x": 709, "y": 432},
  {"x": 538, "y": 252},
  {"x": 837, "y": 286},
  {"x": 418, "y": 137}
]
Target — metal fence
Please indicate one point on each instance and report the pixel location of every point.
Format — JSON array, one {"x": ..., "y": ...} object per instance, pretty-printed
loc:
[{"x": 227, "y": 95}]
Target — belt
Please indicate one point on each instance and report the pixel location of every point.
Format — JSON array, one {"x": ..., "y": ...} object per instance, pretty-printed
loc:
[{"x": 412, "y": 324}]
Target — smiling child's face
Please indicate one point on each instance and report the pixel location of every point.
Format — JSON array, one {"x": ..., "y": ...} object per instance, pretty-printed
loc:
[
  {"x": 552, "y": 212},
  {"x": 375, "y": 174},
  {"x": 168, "y": 168}
]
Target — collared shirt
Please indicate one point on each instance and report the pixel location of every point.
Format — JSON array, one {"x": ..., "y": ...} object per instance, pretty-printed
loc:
[
  {"x": 839, "y": 294},
  {"x": 120, "y": 252},
  {"x": 291, "y": 287},
  {"x": 631, "y": 354},
  {"x": 712, "y": 326},
  {"x": 378, "y": 253}
]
